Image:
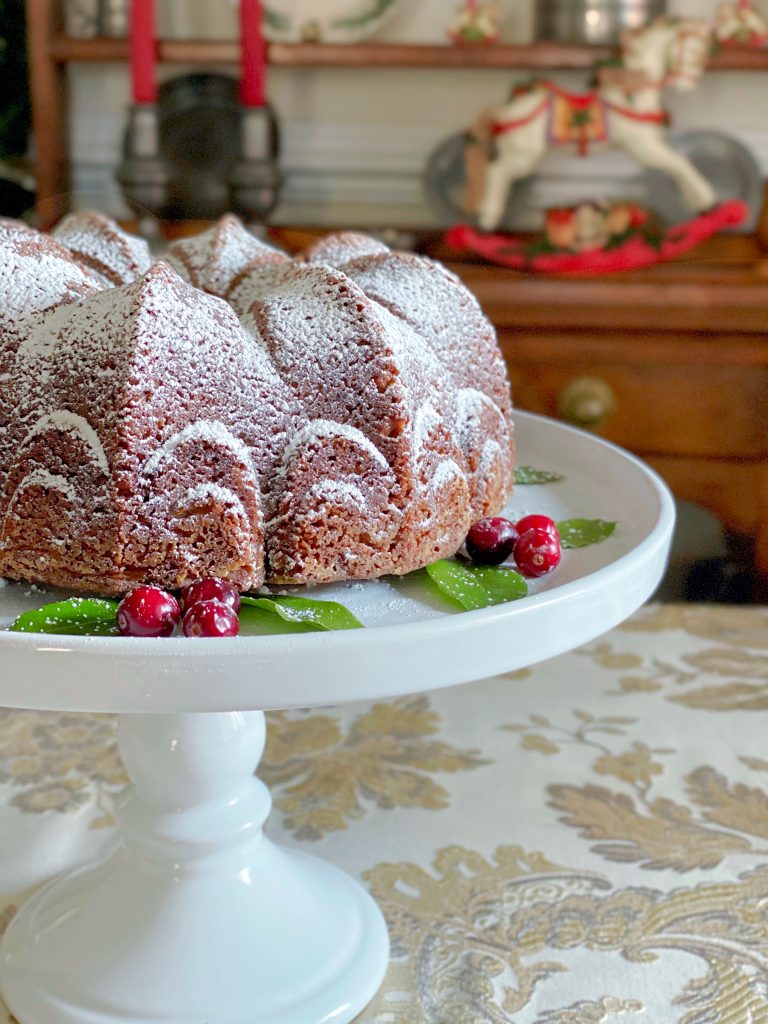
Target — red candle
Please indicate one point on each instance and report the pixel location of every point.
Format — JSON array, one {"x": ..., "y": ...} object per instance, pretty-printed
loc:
[
  {"x": 254, "y": 54},
  {"x": 143, "y": 51}
]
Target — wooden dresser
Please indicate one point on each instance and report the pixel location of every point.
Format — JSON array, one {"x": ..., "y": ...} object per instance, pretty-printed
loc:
[{"x": 670, "y": 362}]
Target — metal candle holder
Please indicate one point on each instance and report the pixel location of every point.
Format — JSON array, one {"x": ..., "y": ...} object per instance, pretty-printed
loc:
[
  {"x": 142, "y": 173},
  {"x": 255, "y": 179}
]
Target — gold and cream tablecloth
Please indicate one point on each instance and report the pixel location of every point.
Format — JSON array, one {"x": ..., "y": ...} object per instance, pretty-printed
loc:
[{"x": 578, "y": 843}]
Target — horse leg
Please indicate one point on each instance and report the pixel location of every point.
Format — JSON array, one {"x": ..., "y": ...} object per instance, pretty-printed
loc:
[
  {"x": 653, "y": 151},
  {"x": 501, "y": 174}
]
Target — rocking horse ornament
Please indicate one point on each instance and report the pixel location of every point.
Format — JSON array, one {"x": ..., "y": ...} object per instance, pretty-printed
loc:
[
  {"x": 625, "y": 110},
  {"x": 739, "y": 24}
]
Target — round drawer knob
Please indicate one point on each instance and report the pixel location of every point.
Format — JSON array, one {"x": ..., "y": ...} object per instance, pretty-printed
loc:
[{"x": 586, "y": 401}]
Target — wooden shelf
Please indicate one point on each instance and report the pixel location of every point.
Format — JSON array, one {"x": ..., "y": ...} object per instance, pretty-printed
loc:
[
  {"x": 536, "y": 56},
  {"x": 540, "y": 55},
  {"x": 739, "y": 59}
]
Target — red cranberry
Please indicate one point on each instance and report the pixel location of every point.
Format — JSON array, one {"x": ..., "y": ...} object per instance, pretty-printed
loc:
[
  {"x": 211, "y": 618},
  {"x": 490, "y": 541},
  {"x": 537, "y": 522},
  {"x": 210, "y": 589},
  {"x": 147, "y": 611},
  {"x": 537, "y": 552}
]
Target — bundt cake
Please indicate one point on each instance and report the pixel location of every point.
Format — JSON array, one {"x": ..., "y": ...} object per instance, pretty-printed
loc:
[{"x": 228, "y": 411}]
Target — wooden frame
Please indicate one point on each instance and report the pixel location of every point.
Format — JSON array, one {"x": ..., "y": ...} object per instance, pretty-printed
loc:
[{"x": 48, "y": 89}]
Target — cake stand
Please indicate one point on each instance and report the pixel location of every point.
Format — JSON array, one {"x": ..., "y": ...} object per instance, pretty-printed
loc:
[{"x": 197, "y": 916}]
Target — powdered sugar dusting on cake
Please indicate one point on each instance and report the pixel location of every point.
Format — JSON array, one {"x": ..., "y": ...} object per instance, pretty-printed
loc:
[
  {"x": 336, "y": 250},
  {"x": 448, "y": 317},
  {"x": 486, "y": 438},
  {"x": 424, "y": 422},
  {"x": 471, "y": 405},
  {"x": 100, "y": 244},
  {"x": 223, "y": 495},
  {"x": 63, "y": 419},
  {"x": 212, "y": 431},
  {"x": 36, "y": 273},
  {"x": 258, "y": 281},
  {"x": 490, "y": 455},
  {"x": 50, "y": 481},
  {"x": 315, "y": 430},
  {"x": 213, "y": 260},
  {"x": 339, "y": 490},
  {"x": 446, "y": 470},
  {"x": 345, "y": 358},
  {"x": 14, "y": 225},
  {"x": 34, "y": 358}
]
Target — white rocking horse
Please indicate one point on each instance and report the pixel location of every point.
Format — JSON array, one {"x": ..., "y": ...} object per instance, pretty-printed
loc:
[{"x": 624, "y": 111}]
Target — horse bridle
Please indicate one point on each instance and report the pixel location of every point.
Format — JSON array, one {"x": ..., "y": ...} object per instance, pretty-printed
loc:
[
  {"x": 674, "y": 64},
  {"x": 674, "y": 72}
]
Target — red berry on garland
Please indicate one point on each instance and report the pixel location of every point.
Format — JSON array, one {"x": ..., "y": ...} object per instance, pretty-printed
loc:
[
  {"x": 537, "y": 553},
  {"x": 490, "y": 541},
  {"x": 210, "y": 589},
  {"x": 536, "y": 521},
  {"x": 147, "y": 611},
  {"x": 211, "y": 619}
]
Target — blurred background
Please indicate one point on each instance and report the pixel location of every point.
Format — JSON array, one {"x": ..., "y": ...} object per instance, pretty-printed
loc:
[
  {"x": 669, "y": 360},
  {"x": 355, "y": 141}
]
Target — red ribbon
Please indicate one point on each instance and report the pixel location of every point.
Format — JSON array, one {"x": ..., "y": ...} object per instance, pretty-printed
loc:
[
  {"x": 649, "y": 116},
  {"x": 500, "y": 127}
]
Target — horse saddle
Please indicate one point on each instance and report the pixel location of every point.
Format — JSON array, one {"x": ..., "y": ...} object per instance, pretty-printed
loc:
[{"x": 576, "y": 119}]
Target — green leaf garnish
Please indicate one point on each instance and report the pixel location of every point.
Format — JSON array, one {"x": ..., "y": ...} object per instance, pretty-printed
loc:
[
  {"x": 458, "y": 583},
  {"x": 77, "y": 616},
  {"x": 529, "y": 475},
  {"x": 580, "y": 533},
  {"x": 296, "y": 614},
  {"x": 476, "y": 586},
  {"x": 262, "y": 622},
  {"x": 501, "y": 584}
]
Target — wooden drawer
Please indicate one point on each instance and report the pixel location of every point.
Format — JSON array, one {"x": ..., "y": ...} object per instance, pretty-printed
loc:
[
  {"x": 670, "y": 407},
  {"x": 737, "y": 493},
  {"x": 734, "y": 491}
]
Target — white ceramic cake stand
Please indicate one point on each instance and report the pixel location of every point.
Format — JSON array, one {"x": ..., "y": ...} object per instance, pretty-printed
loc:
[{"x": 197, "y": 917}]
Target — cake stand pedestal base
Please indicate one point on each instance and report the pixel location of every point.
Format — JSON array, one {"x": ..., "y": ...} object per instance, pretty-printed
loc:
[{"x": 197, "y": 916}]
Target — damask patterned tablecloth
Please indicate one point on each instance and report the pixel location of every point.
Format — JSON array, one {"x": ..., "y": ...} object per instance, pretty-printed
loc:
[{"x": 582, "y": 842}]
